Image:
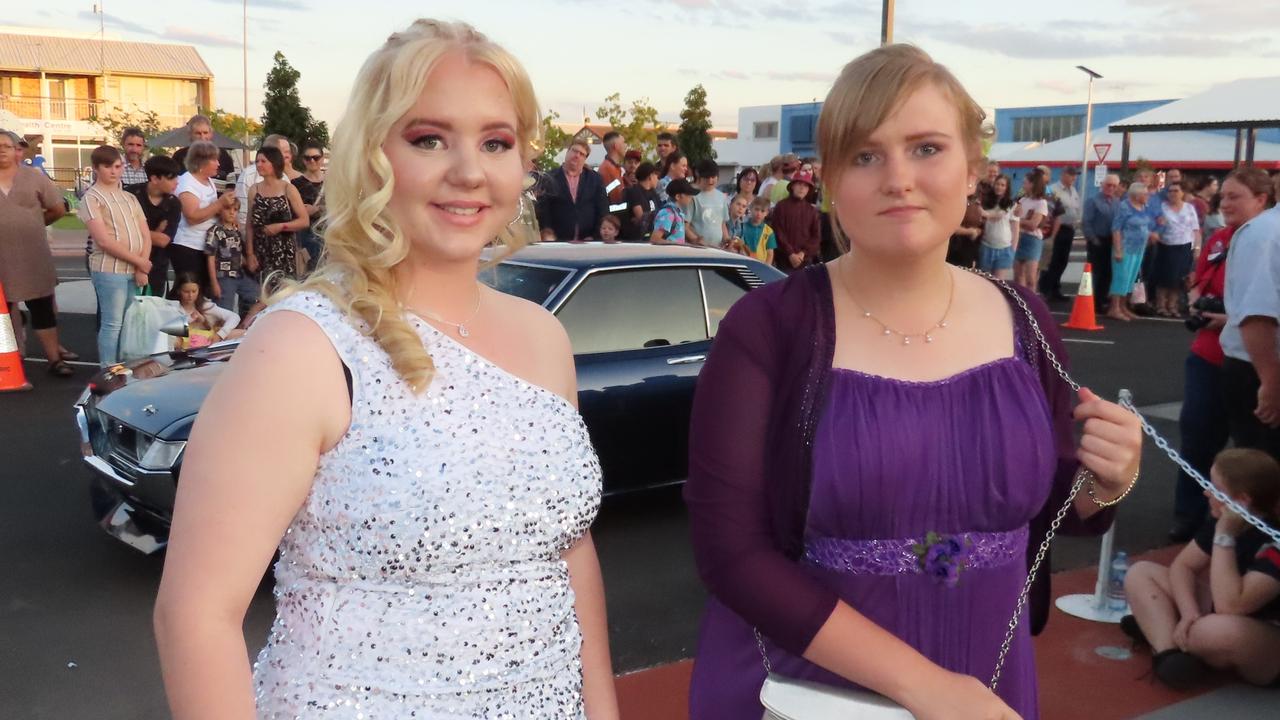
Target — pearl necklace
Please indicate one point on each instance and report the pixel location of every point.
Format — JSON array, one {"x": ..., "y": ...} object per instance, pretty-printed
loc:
[{"x": 927, "y": 335}]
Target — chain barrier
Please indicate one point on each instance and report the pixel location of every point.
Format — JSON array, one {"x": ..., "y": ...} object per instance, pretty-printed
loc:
[{"x": 1126, "y": 401}]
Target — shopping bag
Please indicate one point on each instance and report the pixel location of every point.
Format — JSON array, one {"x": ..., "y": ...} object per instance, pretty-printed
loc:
[{"x": 140, "y": 335}]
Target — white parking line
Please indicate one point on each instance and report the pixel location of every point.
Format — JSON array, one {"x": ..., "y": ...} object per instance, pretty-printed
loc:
[
  {"x": 1089, "y": 342},
  {"x": 81, "y": 363},
  {"x": 1102, "y": 318}
]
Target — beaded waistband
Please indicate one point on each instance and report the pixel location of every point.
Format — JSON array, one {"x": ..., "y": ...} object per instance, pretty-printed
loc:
[{"x": 943, "y": 557}]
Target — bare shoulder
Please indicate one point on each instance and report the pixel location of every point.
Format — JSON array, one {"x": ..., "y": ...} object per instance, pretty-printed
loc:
[
  {"x": 287, "y": 360},
  {"x": 540, "y": 342}
]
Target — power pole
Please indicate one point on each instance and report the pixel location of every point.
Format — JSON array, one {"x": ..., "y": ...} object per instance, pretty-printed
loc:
[
  {"x": 886, "y": 23},
  {"x": 244, "y": 154}
]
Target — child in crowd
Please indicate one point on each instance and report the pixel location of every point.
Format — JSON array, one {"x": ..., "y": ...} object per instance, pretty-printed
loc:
[
  {"x": 670, "y": 221},
  {"x": 609, "y": 228},
  {"x": 1218, "y": 603},
  {"x": 229, "y": 284},
  {"x": 642, "y": 202},
  {"x": 709, "y": 211},
  {"x": 737, "y": 219},
  {"x": 758, "y": 240},
  {"x": 207, "y": 323}
]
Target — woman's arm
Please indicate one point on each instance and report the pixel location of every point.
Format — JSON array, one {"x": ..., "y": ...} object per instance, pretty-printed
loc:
[
  {"x": 1032, "y": 221},
  {"x": 280, "y": 403},
  {"x": 597, "y": 669},
  {"x": 227, "y": 320},
  {"x": 250, "y": 257},
  {"x": 1182, "y": 579},
  {"x": 301, "y": 220},
  {"x": 192, "y": 211}
]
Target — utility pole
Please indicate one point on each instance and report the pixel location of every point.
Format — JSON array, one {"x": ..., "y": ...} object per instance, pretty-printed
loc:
[
  {"x": 1088, "y": 127},
  {"x": 886, "y": 23},
  {"x": 244, "y": 154}
]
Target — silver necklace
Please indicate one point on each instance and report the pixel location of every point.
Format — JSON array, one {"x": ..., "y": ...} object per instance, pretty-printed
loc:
[
  {"x": 461, "y": 327},
  {"x": 926, "y": 335}
]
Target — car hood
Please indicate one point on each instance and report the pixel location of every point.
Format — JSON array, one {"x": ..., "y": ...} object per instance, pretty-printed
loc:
[{"x": 161, "y": 399}]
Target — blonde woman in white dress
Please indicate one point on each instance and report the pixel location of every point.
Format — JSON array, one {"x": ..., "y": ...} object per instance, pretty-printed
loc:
[{"x": 406, "y": 436}]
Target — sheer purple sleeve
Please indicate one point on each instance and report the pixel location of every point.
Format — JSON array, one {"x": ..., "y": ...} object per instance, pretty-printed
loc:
[{"x": 730, "y": 483}]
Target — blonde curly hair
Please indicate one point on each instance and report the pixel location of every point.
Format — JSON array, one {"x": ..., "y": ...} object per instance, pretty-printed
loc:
[{"x": 362, "y": 242}]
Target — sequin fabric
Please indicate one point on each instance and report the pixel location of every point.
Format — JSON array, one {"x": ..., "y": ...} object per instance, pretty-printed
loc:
[
  {"x": 422, "y": 578},
  {"x": 897, "y": 556}
]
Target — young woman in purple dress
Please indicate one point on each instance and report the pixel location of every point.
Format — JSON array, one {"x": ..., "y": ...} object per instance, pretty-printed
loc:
[{"x": 900, "y": 436}]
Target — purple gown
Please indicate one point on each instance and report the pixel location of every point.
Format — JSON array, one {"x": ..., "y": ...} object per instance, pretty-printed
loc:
[{"x": 893, "y": 460}]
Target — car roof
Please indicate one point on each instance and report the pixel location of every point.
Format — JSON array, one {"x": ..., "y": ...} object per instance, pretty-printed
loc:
[{"x": 598, "y": 254}]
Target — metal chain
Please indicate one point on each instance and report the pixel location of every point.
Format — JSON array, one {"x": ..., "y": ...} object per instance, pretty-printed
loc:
[{"x": 1126, "y": 401}]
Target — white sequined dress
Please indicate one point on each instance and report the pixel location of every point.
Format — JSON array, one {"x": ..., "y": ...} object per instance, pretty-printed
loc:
[{"x": 422, "y": 577}]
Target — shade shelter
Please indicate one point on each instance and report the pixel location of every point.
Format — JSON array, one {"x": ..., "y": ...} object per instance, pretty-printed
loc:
[{"x": 1245, "y": 106}]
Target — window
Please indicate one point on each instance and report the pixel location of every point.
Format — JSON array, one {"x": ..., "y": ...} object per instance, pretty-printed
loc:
[
  {"x": 635, "y": 309},
  {"x": 534, "y": 284},
  {"x": 802, "y": 127},
  {"x": 1047, "y": 129},
  {"x": 723, "y": 288},
  {"x": 765, "y": 130}
]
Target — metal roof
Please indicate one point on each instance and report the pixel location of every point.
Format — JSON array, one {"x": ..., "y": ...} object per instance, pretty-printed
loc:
[
  {"x": 87, "y": 56},
  {"x": 1251, "y": 102},
  {"x": 1183, "y": 147}
]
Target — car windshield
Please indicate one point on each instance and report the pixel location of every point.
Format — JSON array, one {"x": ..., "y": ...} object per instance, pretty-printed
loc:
[{"x": 534, "y": 283}]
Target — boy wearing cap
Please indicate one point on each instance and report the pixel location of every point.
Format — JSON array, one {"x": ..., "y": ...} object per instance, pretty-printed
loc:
[{"x": 669, "y": 223}]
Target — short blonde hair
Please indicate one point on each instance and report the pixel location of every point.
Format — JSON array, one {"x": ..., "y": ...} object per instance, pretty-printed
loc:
[
  {"x": 363, "y": 242},
  {"x": 870, "y": 89},
  {"x": 199, "y": 153}
]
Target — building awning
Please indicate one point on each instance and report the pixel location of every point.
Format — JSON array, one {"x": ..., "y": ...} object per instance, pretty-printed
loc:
[
  {"x": 1239, "y": 104},
  {"x": 1186, "y": 149},
  {"x": 90, "y": 56}
]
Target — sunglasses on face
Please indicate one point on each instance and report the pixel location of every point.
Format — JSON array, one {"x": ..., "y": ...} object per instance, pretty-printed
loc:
[{"x": 310, "y": 157}]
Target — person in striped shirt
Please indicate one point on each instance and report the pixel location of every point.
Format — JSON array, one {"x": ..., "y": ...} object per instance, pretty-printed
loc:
[{"x": 121, "y": 247}]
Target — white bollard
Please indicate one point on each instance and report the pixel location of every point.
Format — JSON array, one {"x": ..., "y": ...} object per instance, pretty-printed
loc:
[{"x": 1095, "y": 607}]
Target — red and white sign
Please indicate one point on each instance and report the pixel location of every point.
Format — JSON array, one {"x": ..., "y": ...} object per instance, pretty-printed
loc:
[{"x": 1101, "y": 150}]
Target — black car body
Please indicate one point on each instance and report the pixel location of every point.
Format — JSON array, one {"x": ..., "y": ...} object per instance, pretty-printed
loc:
[{"x": 641, "y": 319}]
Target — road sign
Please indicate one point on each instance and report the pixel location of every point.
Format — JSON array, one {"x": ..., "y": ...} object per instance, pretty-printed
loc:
[
  {"x": 1099, "y": 174},
  {"x": 1101, "y": 150}
]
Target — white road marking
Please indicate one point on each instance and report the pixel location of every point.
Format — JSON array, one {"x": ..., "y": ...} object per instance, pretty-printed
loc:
[
  {"x": 1089, "y": 342},
  {"x": 81, "y": 363}
]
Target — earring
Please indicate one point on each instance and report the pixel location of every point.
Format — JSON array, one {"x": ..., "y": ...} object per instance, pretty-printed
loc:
[{"x": 519, "y": 211}]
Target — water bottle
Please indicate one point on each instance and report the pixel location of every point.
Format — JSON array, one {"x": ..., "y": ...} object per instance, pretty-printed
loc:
[{"x": 1116, "y": 600}]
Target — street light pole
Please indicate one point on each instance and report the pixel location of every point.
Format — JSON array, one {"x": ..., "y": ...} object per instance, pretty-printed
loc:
[
  {"x": 1088, "y": 129},
  {"x": 886, "y": 23},
  {"x": 244, "y": 154}
]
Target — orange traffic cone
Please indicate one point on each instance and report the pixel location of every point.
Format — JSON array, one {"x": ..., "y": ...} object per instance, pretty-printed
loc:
[
  {"x": 1082, "y": 312},
  {"x": 11, "y": 375}
]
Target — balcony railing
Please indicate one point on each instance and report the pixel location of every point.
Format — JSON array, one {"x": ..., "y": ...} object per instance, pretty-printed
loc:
[{"x": 32, "y": 108}]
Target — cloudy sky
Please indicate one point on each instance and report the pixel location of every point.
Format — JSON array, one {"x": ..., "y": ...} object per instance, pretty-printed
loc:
[{"x": 758, "y": 52}]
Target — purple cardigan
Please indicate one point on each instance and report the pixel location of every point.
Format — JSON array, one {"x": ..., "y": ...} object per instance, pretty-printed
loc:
[{"x": 758, "y": 401}]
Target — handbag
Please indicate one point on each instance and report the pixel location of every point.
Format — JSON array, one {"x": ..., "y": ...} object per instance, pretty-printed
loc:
[
  {"x": 788, "y": 699},
  {"x": 1139, "y": 294}
]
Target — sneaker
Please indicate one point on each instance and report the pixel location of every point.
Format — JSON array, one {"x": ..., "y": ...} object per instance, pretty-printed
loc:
[
  {"x": 1179, "y": 670},
  {"x": 1129, "y": 626}
]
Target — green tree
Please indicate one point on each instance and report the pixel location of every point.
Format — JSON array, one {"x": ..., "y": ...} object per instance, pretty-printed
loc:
[
  {"x": 638, "y": 124},
  {"x": 695, "y": 122},
  {"x": 236, "y": 127},
  {"x": 117, "y": 119},
  {"x": 283, "y": 111},
  {"x": 553, "y": 141}
]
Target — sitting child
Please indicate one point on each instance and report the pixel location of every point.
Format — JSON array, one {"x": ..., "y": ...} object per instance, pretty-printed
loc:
[
  {"x": 1219, "y": 602},
  {"x": 206, "y": 322}
]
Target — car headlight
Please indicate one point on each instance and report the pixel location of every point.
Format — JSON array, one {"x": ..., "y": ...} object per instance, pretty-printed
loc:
[{"x": 156, "y": 454}]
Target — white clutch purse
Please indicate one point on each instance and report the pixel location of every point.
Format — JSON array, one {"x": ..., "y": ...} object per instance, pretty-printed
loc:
[{"x": 787, "y": 699}]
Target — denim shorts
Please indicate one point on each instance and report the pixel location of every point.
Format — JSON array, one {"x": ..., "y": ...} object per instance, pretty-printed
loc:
[
  {"x": 1029, "y": 248},
  {"x": 990, "y": 259}
]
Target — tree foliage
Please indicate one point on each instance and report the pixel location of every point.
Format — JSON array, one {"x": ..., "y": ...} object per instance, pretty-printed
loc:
[
  {"x": 283, "y": 111},
  {"x": 117, "y": 119},
  {"x": 236, "y": 127},
  {"x": 694, "y": 137},
  {"x": 638, "y": 124},
  {"x": 553, "y": 141}
]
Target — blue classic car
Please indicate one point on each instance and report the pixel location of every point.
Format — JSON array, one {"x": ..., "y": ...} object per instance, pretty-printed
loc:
[{"x": 641, "y": 319}]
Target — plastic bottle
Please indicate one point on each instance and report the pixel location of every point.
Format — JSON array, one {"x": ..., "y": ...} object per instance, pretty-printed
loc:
[{"x": 1116, "y": 599}]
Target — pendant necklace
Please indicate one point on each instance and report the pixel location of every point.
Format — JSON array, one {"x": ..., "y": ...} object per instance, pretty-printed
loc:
[
  {"x": 460, "y": 327},
  {"x": 926, "y": 335}
]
